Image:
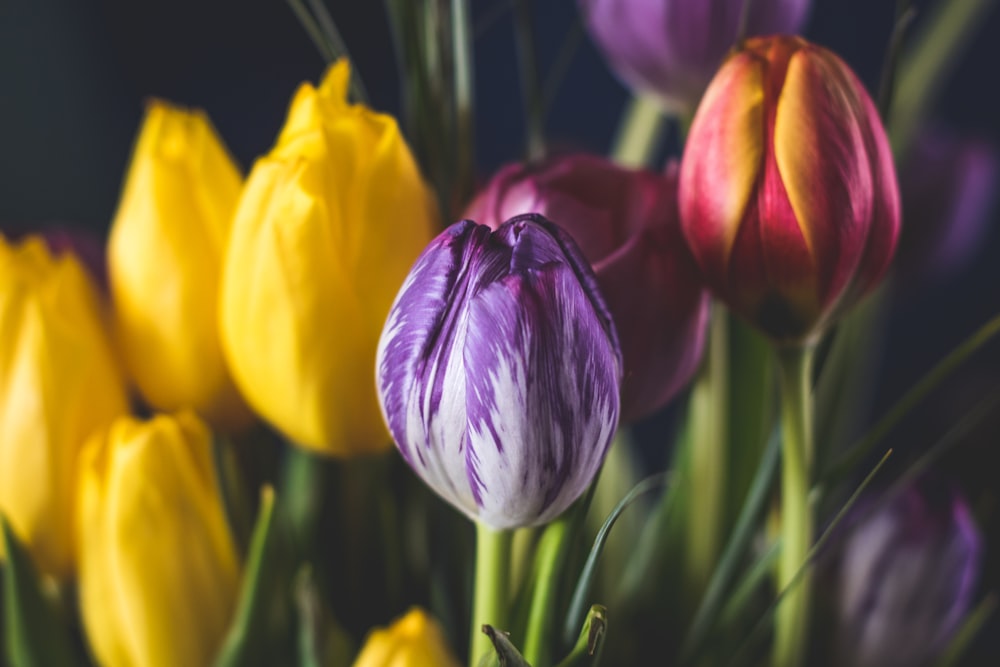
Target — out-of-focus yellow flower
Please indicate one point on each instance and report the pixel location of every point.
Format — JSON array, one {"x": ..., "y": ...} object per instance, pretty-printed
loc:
[
  {"x": 159, "y": 572},
  {"x": 165, "y": 258},
  {"x": 415, "y": 640},
  {"x": 59, "y": 382},
  {"x": 324, "y": 235}
]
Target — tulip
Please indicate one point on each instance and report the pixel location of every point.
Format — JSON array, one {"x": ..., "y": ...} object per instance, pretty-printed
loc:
[
  {"x": 787, "y": 192},
  {"x": 498, "y": 371},
  {"x": 907, "y": 576},
  {"x": 415, "y": 640},
  {"x": 671, "y": 48},
  {"x": 59, "y": 382},
  {"x": 165, "y": 256},
  {"x": 325, "y": 231},
  {"x": 947, "y": 183},
  {"x": 627, "y": 226},
  {"x": 159, "y": 571},
  {"x": 64, "y": 238}
]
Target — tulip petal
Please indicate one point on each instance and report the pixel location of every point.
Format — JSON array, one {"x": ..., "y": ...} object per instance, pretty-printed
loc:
[
  {"x": 821, "y": 154},
  {"x": 543, "y": 403},
  {"x": 724, "y": 155}
]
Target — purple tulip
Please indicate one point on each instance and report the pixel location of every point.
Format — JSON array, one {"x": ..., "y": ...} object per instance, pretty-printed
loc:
[
  {"x": 627, "y": 226},
  {"x": 498, "y": 371},
  {"x": 947, "y": 184},
  {"x": 907, "y": 578},
  {"x": 671, "y": 48}
]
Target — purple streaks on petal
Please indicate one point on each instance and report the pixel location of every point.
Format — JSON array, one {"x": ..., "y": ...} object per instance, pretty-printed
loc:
[{"x": 498, "y": 371}]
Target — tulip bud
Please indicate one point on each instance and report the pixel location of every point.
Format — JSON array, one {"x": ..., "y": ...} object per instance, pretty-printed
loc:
[
  {"x": 627, "y": 226},
  {"x": 671, "y": 48},
  {"x": 787, "y": 190},
  {"x": 325, "y": 231},
  {"x": 59, "y": 381},
  {"x": 948, "y": 188},
  {"x": 498, "y": 371},
  {"x": 159, "y": 572},
  {"x": 415, "y": 640},
  {"x": 907, "y": 577},
  {"x": 165, "y": 255}
]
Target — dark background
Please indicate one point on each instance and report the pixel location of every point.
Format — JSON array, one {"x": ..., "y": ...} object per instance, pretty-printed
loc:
[{"x": 74, "y": 75}]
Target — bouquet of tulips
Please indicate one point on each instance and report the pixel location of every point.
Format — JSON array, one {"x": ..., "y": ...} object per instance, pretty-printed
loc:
[{"x": 360, "y": 406}]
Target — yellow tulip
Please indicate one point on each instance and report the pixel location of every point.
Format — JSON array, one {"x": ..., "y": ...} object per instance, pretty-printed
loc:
[
  {"x": 415, "y": 640},
  {"x": 59, "y": 382},
  {"x": 325, "y": 232},
  {"x": 159, "y": 572},
  {"x": 165, "y": 257}
]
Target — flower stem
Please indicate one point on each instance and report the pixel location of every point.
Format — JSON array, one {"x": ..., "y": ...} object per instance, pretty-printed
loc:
[
  {"x": 551, "y": 556},
  {"x": 708, "y": 413},
  {"x": 489, "y": 604},
  {"x": 792, "y": 620}
]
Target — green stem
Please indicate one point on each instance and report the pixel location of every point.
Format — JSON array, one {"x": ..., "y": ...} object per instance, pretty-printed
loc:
[
  {"x": 639, "y": 133},
  {"x": 304, "y": 477},
  {"x": 465, "y": 135},
  {"x": 492, "y": 578},
  {"x": 792, "y": 622},
  {"x": 709, "y": 416},
  {"x": 551, "y": 557},
  {"x": 531, "y": 92}
]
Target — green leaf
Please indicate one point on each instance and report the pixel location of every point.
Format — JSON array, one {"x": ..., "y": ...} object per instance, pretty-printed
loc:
[
  {"x": 856, "y": 454},
  {"x": 577, "y": 603},
  {"x": 739, "y": 540},
  {"x": 322, "y": 641},
  {"x": 506, "y": 654},
  {"x": 811, "y": 555},
  {"x": 262, "y": 594},
  {"x": 587, "y": 651},
  {"x": 924, "y": 68},
  {"x": 34, "y": 634}
]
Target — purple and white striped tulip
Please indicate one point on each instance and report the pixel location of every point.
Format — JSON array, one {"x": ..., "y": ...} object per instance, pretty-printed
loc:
[
  {"x": 498, "y": 371},
  {"x": 907, "y": 579}
]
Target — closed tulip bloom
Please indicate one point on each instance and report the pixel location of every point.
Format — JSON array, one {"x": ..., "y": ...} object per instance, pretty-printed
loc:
[
  {"x": 788, "y": 193},
  {"x": 499, "y": 370},
  {"x": 415, "y": 640},
  {"x": 626, "y": 224},
  {"x": 907, "y": 579},
  {"x": 159, "y": 572},
  {"x": 165, "y": 257},
  {"x": 671, "y": 48},
  {"x": 59, "y": 382},
  {"x": 325, "y": 231}
]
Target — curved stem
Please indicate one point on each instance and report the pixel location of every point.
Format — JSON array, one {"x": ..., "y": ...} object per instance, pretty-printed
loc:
[
  {"x": 489, "y": 604},
  {"x": 792, "y": 621}
]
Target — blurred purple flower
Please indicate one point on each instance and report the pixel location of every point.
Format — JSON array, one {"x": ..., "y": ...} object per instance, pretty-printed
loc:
[
  {"x": 498, "y": 371},
  {"x": 626, "y": 224},
  {"x": 907, "y": 578},
  {"x": 671, "y": 48},
  {"x": 947, "y": 185}
]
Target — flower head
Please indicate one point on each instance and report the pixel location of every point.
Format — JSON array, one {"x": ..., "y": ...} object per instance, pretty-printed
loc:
[
  {"x": 626, "y": 224},
  {"x": 414, "y": 640},
  {"x": 59, "y": 382},
  {"x": 498, "y": 371},
  {"x": 159, "y": 571},
  {"x": 907, "y": 575},
  {"x": 165, "y": 258},
  {"x": 671, "y": 48},
  {"x": 788, "y": 192},
  {"x": 325, "y": 230}
]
